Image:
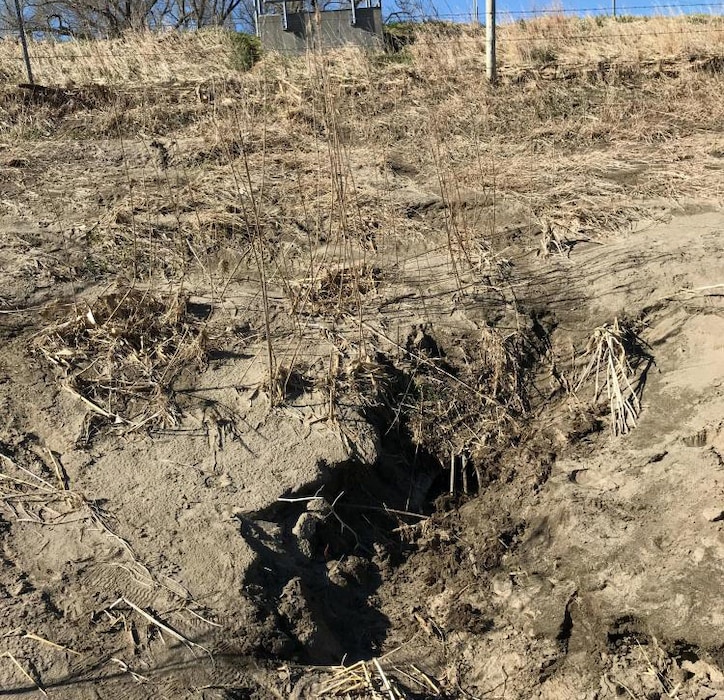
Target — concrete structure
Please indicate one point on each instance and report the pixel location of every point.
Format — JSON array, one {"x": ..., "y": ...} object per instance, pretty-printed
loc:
[{"x": 296, "y": 32}]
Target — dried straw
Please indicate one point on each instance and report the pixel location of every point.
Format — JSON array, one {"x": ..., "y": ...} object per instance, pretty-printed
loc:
[
  {"x": 615, "y": 353},
  {"x": 122, "y": 353}
]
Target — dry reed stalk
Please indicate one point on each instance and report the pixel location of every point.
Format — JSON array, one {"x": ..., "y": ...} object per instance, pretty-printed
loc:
[
  {"x": 361, "y": 680},
  {"x": 386, "y": 685},
  {"x": 54, "y": 645},
  {"x": 158, "y": 623},
  {"x": 250, "y": 199},
  {"x": 346, "y": 679},
  {"x": 615, "y": 353},
  {"x": 19, "y": 666},
  {"x": 139, "y": 678}
]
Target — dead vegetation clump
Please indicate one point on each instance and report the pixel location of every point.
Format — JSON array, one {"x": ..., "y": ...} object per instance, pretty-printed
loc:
[
  {"x": 122, "y": 353},
  {"x": 471, "y": 401},
  {"x": 339, "y": 288},
  {"x": 617, "y": 363},
  {"x": 66, "y": 100},
  {"x": 369, "y": 679}
]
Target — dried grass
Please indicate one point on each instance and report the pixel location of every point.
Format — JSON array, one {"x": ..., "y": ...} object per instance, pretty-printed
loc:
[
  {"x": 317, "y": 207},
  {"x": 474, "y": 408},
  {"x": 123, "y": 352},
  {"x": 616, "y": 355},
  {"x": 334, "y": 290},
  {"x": 363, "y": 679},
  {"x": 557, "y": 40},
  {"x": 138, "y": 58}
]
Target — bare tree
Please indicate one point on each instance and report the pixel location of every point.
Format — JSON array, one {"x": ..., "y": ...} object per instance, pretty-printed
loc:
[
  {"x": 96, "y": 18},
  {"x": 204, "y": 13},
  {"x": 413, "y": 11}
]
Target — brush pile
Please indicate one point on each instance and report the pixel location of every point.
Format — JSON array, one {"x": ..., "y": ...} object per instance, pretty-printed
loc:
[
  {"x": 470, "y": 402},
  {"x": 122, "y": 353},
  {"x": 369, "y": 680}
]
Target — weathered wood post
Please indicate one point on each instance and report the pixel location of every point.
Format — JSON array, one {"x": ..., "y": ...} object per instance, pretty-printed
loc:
[
  {"x": 24, "y": 41},
  {"x": 490, "y": 40}
]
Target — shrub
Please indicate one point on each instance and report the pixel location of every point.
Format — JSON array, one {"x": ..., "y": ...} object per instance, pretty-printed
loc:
[
  {"x": 247, "y": 50},
  {"x": 542, "y": 55},
  {"x": 399, "y": 35}
]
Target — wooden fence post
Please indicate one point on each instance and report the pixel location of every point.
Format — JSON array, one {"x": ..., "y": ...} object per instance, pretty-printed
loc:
[
  {"x": 24, "y": 41},
  {"x": 490, "y": 40}
]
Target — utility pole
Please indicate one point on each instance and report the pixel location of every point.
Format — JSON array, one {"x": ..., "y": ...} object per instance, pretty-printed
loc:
[
  {"x": 476, "y": 18},
  {"x": 490, "y": 40},
  {"x": 24, "y": 41}
]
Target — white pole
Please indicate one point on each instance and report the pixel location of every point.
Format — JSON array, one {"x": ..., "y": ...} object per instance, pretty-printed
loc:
[
  {"x": 490, "y": 40},
  {"x": 476, "y": 18}
]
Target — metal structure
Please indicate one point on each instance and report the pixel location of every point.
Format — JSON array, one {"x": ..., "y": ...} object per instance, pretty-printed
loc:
[
  {"x": 293, "y": 26},
  {"x": 490, "y": 21}
]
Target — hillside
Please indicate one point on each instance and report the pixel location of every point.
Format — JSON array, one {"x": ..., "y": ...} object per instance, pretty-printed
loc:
[{"x": 350, "y": 375}]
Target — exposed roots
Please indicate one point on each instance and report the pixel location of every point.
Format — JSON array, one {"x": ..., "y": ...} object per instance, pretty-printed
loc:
[{"x": 475, "y": 407}]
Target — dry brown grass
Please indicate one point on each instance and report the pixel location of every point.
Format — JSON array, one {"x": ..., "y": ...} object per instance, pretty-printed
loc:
[
  {"x": 309, "y": 176},
  {"x": 123, "y": 352},
  {"x": 556, "y": 40},
  {"x": 438, "y": 53},
  {"x": 136, "y": 58}
]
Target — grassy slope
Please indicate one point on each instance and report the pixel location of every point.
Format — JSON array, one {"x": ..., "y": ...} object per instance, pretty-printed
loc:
[{"x": 346, "y": 160}]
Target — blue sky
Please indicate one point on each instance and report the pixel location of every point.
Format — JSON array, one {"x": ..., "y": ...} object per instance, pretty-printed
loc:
[{"x": 460, "y": 10}]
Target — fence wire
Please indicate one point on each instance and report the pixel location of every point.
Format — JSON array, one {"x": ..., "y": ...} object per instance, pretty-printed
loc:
[
  {"x": 583, "y": 11},
  {"x": 435, "y": 40},
  {"x": 69, "y": 51}
]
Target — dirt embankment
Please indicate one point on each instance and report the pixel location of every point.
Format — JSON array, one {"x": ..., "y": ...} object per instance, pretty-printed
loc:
[{"x": 353, "y": 362}]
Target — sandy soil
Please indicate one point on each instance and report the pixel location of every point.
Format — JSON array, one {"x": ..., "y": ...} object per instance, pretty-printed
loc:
[
  {"x": 610, "y": 581},
  {"x": 250, "y": 547}
]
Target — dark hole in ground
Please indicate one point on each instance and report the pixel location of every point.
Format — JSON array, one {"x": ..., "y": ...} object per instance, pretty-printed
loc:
[
  {"x": 627, "y": 630},
  {"x": 683, "y": 651},
  {"x": 321, "y": 560},
  {"x": 199, "y": 310},
  {"x": 322, "y": 554}
]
